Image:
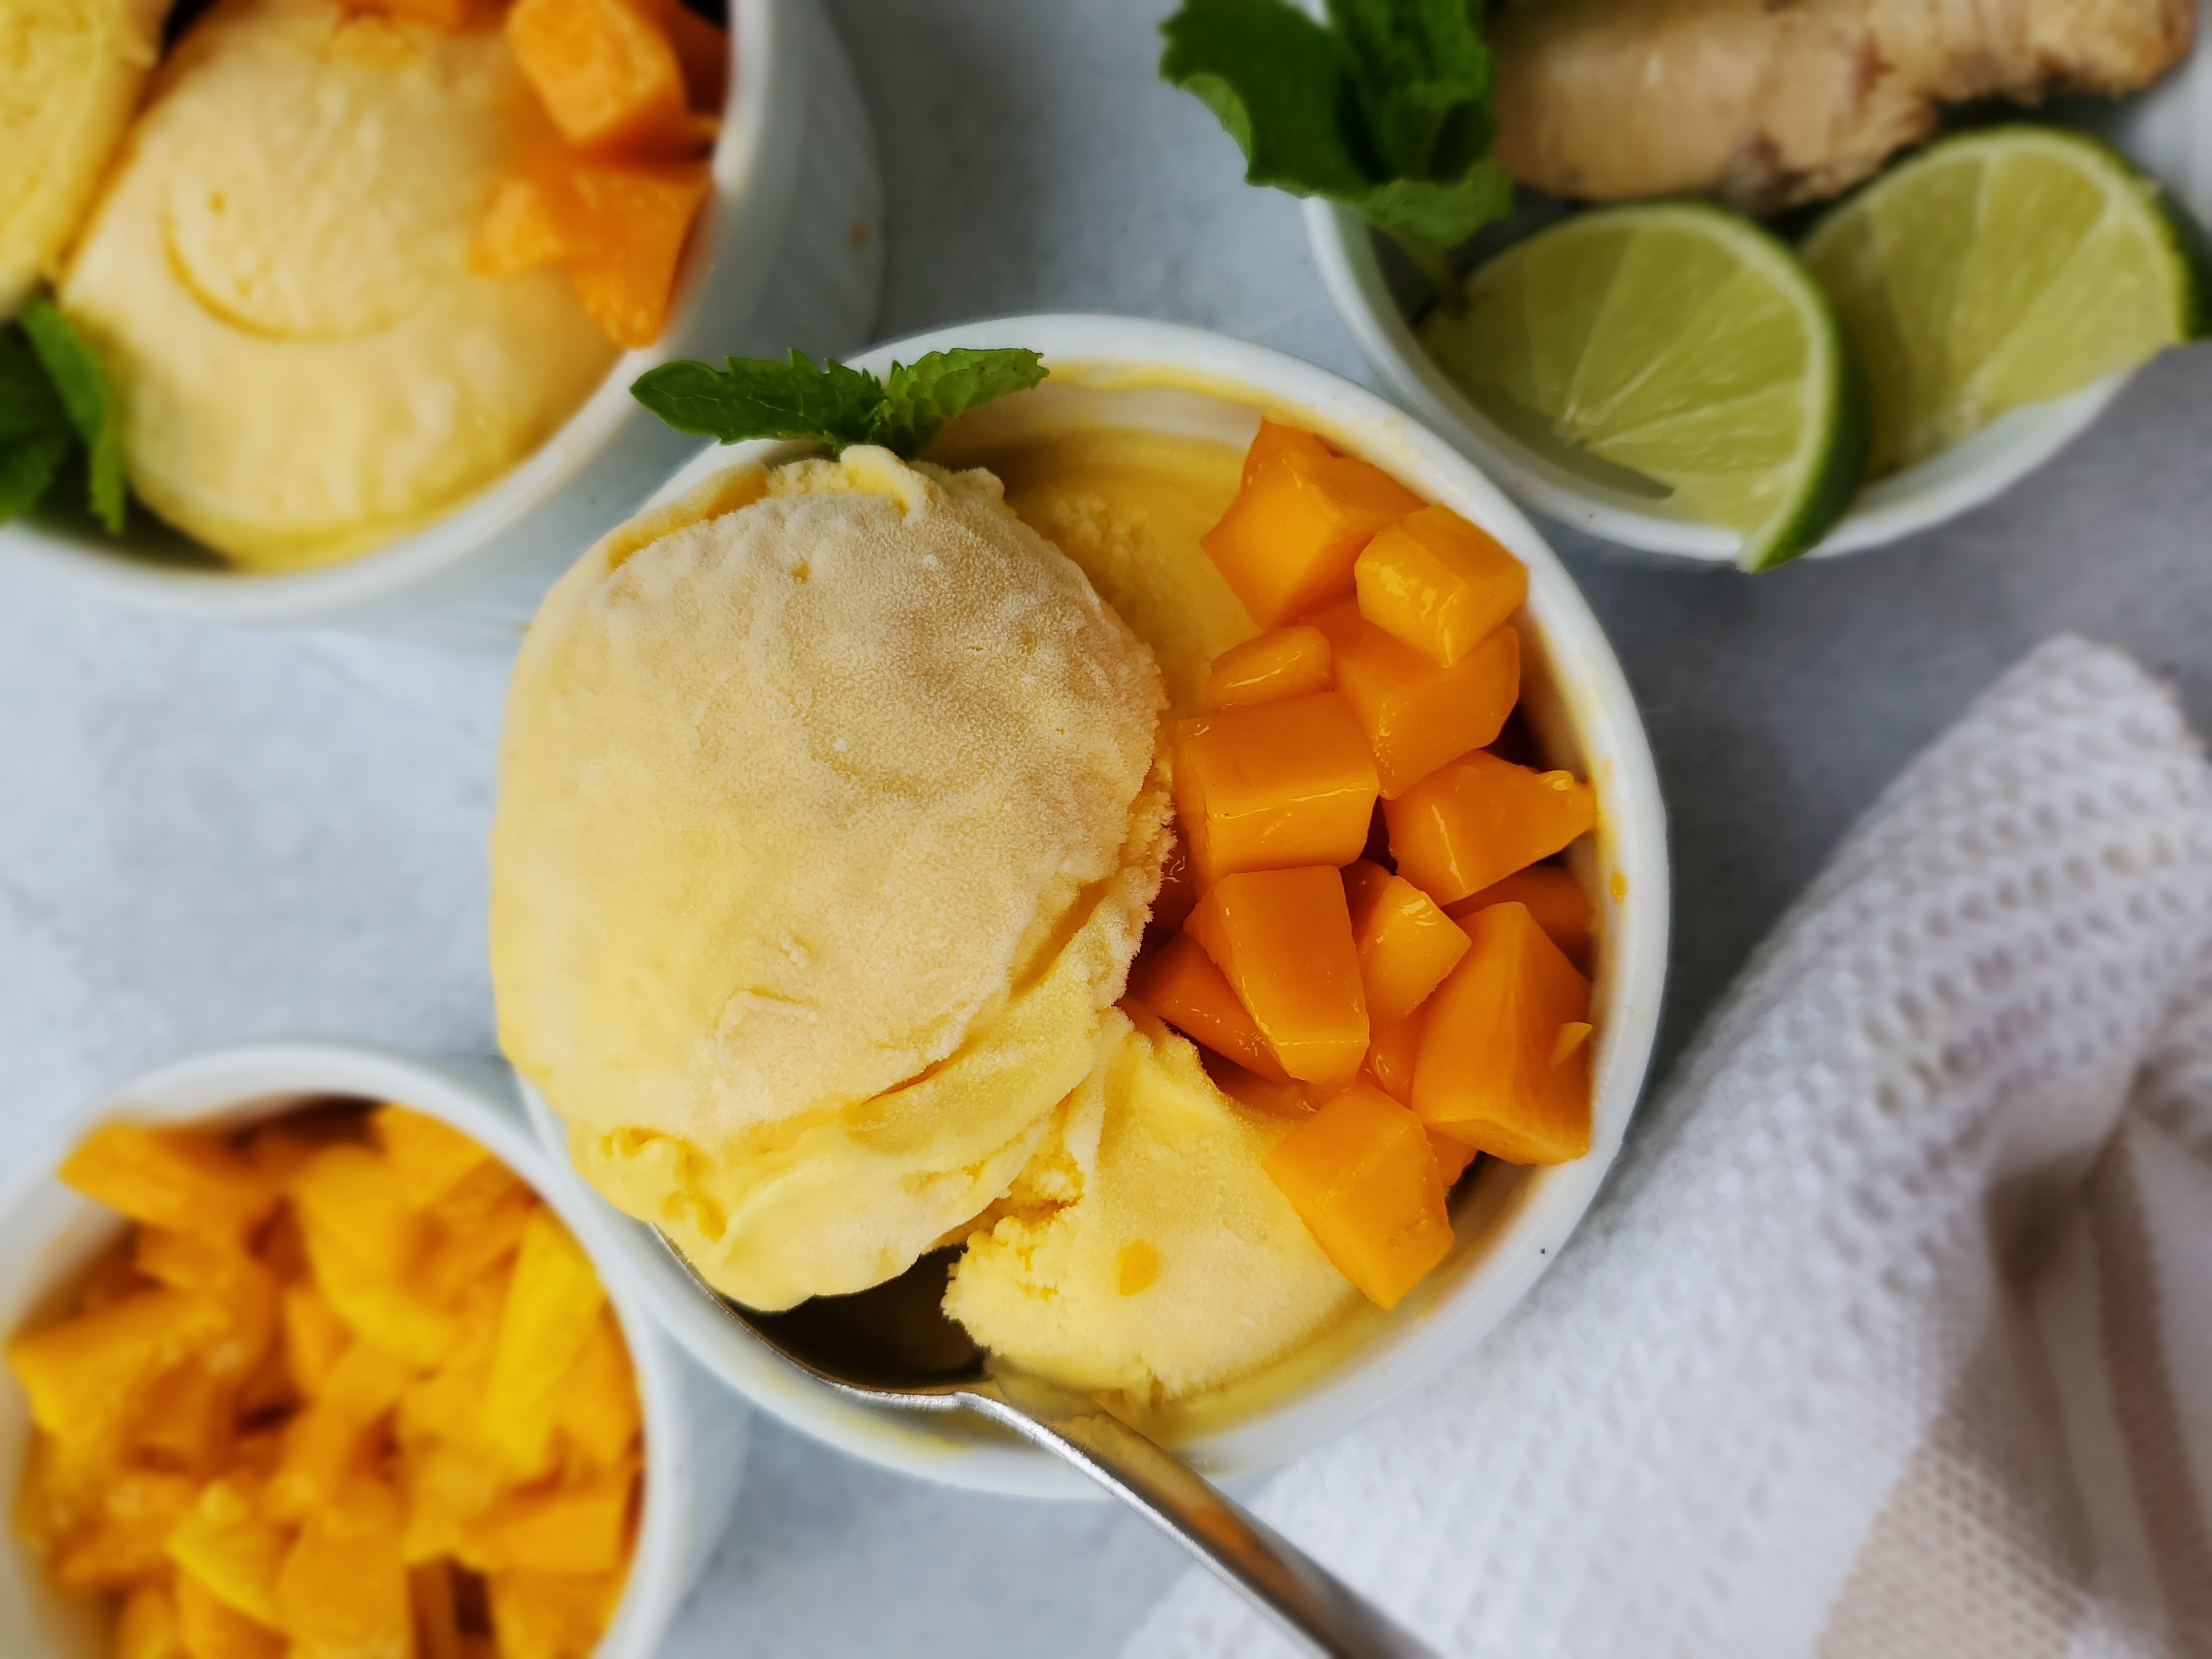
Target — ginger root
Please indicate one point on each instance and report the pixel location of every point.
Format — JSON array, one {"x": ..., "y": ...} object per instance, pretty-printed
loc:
[{"x": 1767, "y": 103}]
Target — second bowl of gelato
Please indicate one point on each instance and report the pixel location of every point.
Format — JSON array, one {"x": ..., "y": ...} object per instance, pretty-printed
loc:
[{"x": 835, "y": 807}]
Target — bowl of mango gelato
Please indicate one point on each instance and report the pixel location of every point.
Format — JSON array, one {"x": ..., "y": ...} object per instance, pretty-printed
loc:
[
  {"x": 370, "y": 284},
  {"x": 874, "y": 895}
]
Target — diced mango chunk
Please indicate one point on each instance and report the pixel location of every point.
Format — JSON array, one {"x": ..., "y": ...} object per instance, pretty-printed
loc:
[
  {"x": 1406, "y": 945},
  {"x": 344, "y": 1587},
  {"x": 212, "y": 1629},
  {"x": 1275, "y": 440},
  {"x": 387, "y": 1311},
  {"x": 124, "y": 1547},
  {"x": 147, "y": 1626},
  {"x": 232, "y": 1550},
  {"x": 430, "y": 1157},
  {"x": 1274, "y": 786},
  {"x": 1283, "y": 939},
  {"x": 1391, "y": 1051},
  {"x": 88, "y": 1377},
  {"x": 552, "y": 1304},
  {"x": 351, "y": 1195},
  {"x": 1291, "y": 662},
  {"x": 599, "y": 1412},
  {"x": 605, "y": 71},
  {"x": 1179, "y": 985},
  {"x": 314, "y": 1337},
  {"x": 221, "y": 1273},
  {"x": 1452, "y": 1157},
  {"x": 547, "y": 1615},
  {"x": 178, "y": 1178},
  {"x": 1287, "y": 543},
  {"x": 1554, "y": 896},
  {"x": 1286, "y": 1098},
  {"x": 323, "y": 1449},
  {"x": 187, "y": 1421},
  {"x": 1479, "y": 819},
  {"x": 1504, "y": 1059},
  {"x": 577, "y": 1526},
  {"x": 1361, "y": 1175},
  {"x": 1415, "y": 715},
  {"x": 1436, "y": 583}
]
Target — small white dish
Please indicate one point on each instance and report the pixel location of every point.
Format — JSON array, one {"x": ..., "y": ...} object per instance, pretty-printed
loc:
[
  {"x": 1940, "y": 487},
  {"x": 1511, "y": 1223},
  {"x": 788, "y": 251},
  {"x": 695, "y": 1431}
]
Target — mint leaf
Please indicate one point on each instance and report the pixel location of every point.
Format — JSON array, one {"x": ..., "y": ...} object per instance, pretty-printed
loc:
[
  {"x": 920, "y": 398},
  {"x": 81, "y": 382},
  {"x": 759, "y": 397},
  {"x": 1387, "y": 110},
  {"x": 35, "y": 433}
]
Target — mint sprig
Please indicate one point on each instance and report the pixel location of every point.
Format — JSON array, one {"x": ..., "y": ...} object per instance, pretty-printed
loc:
[
  {"x": 55, "y": 402},
  {"x": 1385, "y": 109},
  {"x": 760, "y": 398}
]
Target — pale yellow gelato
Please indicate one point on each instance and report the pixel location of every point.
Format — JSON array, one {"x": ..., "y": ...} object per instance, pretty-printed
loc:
[
  {"x": 276, "y": 277},
  {"x": 70, "y": 74},
  {"x": 827, "y": 824}
]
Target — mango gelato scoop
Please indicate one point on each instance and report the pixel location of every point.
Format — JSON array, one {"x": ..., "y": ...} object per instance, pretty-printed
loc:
[
  {"x": 829, "y": 821},
  {"x": 276, "y": 277}
]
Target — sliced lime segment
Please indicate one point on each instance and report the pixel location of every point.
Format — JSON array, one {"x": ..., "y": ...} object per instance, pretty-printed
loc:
[
  {"x": 1999, "y": 268},
  {"x": 1681, "y": 343}
]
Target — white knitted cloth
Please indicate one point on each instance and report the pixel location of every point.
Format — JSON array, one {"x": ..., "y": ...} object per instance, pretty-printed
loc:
[{"x": 1893, "y": 1335}]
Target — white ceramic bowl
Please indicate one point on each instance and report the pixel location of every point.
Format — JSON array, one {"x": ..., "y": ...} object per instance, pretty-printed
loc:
[
  {"x": 789, "y": 252},
  {"x": 695, "y": 1431},
  {"x": 1940, "y": 487},
  {"x": 1511, "y": 1223}
]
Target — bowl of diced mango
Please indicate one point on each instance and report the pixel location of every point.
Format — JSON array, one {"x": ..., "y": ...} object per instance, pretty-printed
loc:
[{"x": 304, "y": 1356}]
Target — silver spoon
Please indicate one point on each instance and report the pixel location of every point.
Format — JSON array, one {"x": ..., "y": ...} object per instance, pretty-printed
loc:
[{"x": 895, "y": 1346}]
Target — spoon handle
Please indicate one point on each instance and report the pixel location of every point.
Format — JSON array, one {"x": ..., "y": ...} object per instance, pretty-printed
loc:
[{"x": 1309, "y": 1600}]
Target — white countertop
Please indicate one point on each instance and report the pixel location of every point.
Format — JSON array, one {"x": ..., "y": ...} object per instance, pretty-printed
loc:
[{"x": 209, "y": 836}]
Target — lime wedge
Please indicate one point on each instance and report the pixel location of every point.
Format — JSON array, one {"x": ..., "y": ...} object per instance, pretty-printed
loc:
[
  {"x": 2002, "y": 268},
  {"x": 1683, "y": 343}
]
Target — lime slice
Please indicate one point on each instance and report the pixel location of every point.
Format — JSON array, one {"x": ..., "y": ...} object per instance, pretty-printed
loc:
[
  {"x": 2002, "y": 268},
  {"x": 1681, "y": 343}
]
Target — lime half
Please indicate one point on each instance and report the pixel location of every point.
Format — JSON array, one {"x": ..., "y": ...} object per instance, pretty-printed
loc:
[
  {"x": 1683, "y": 343},
  {"x": 1998, "y": 269}
]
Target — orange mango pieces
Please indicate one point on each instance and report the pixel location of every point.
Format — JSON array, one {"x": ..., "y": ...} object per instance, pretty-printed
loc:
[
  {"x": 552, "y": 1616},
  {"x": 1277, "y": 1099},
  {"x": 1436, "y": 583},
  {"x": 1179, "y": 985},
  {"x": 1406, "y": 944},
  {"x": 1291, "y": 662},
  {"x": 1479, "y": 819},
  {"x": 579, "y": 1526},
  {"x": 176, "y": 1178},
  {"x": 606, "y": 71},
  {"x": 553, "y": 1303},
  {"x": 1361, "y": 1175},
  {"x": 343, "y": 1588},
  {"x": 235, "y": 1552},
  {"x": 1554, "y": 896},
  {"x": 146, "y": 1628},
  {"x": 1415, "y": 715},
  {"x": 1287, "y": 543},
  {"x": 1504, "y": 1058},
  {"x": 88, "y": 1378},
  {"x": 1283, "y": 939},
  {"x": 1452, "y": 1157},
  {"x": 599, "y": 1412},
  {"x": 1275, "y": 440},
  {"x": 430, "y": 1157},
  {"x": 1274, "y": 786},
  {"x": 1391, "y": 1050},
  {"x": 210, "y": 1628}
]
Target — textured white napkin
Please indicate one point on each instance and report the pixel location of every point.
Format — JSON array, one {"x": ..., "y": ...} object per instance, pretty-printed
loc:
[{"x": 1893, "y": 1335}]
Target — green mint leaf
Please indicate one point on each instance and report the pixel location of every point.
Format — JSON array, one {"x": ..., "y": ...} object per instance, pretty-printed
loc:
[
  {"x": 35, "y": 433},
  {"x": 81, "y": 382},
  {"x": 1280, "y": 83},
  {"x": 922, "y": 397},
  {"x": 1436, "y": 215},
  {"x": 760, "y": 398},
  {"x": 1423, "y": 76}
]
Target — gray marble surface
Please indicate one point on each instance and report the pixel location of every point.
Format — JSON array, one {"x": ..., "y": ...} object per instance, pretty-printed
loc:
[{"x": 207, "y": 836}]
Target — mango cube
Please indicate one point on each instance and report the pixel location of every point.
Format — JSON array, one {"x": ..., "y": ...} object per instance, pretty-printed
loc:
[
  {"x": 186, "y": 1422},
  {"x": 147, "y": 1626},
  {"x": 1275, "y": 440},
  {"x": 1479, "y": 819},
  {"x": 210, "y": 1628},
  {"x": 1274, "y": 786},
  {"x": 124, "y": 1547},
  {"x": 1287, "y": 543},
  {"x": 1452, "y": 1157},
  {"x": 1283, "y": 939},
  {"x": 1504, "y": 1058},
  {"x": 430, "y": 1157},
  {"x": 314, "y": 1337},
  {"x": 1436, "y": 583},
  {"x": 1554, "y": 896},
  {"x": 552, "y": 1304},
  {"x": 1178, "y": 985},
  {"x": 606, "y": 71},
  {"x": 1291, "y": 662},
  {"x": 232, "y": 1550},
  {"x": 547, "y": 1615},
  {"x": 343, "y": 1590},
  {"x": 578, "y": 1527},
  {"x": 176, "y": 1178},
  {"x": 1415, "y": 715},
  {"x": 1406, "y": 944},
  {"x": 599, "y": 1414},
  {"x": 323, "y": 1449},
  {"x": 1361, "y": 1175},
  {"x": 1282, "y": 1098},
  {"x": 88, "y": 1377},
  {"x": 221, "y": 1273},
  {"x": 386, "y": 1310},
  {"x": 1391, "y": 1051}
]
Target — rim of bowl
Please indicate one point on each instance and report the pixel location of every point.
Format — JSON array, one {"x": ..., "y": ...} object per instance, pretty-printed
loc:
[
  {"x": 225, "y": 1084},
  {"x": 749, "y": 197},
  {"x": 1123, "y": 353},
  {"x": 1964, "y": 476}
]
